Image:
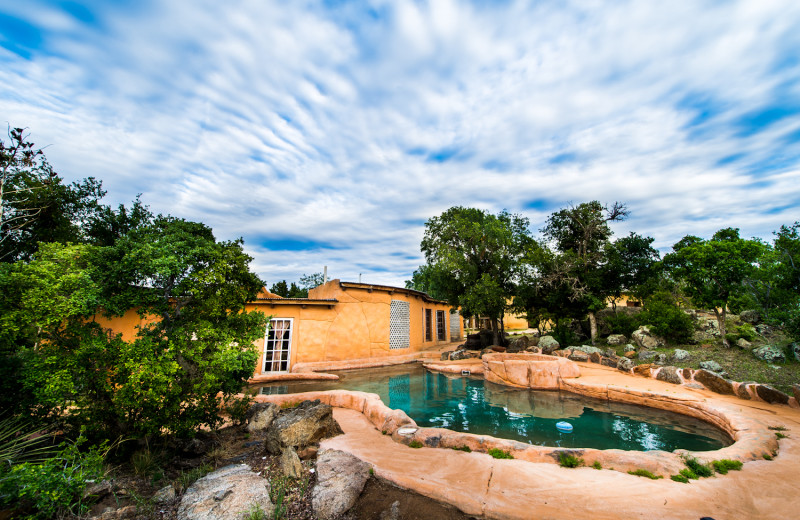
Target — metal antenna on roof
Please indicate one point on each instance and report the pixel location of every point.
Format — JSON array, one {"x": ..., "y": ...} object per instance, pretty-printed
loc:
[{"x": 325, "y": 275}]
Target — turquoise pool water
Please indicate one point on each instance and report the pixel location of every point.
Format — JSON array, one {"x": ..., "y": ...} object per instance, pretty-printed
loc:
[{"x": 472, "y": 405}]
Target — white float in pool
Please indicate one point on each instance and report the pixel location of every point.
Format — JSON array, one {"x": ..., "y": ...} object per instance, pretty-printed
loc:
[
  {"x": 563, "y": 426},
  {"x": 406, "y": 431}
]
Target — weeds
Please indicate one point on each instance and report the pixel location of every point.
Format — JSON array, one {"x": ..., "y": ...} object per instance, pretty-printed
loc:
[
  {"x": 644, "y": 473},
  {"x": 415, "y": 444},
  {"x": 700, "y": 469},
  {"x": 596, "y": 465},
  {"x": 565, "y": 460},
  {"x": 767, "y": 456},
  {"x": 144, "y": 462},
  {"x": 689, "y": 474},
  {"x": 255, "y": 513},
  {"x": 500, "y": 454},
  {"x": 780, "y": 435},
  {"x": 18, "y": 444},
  {"x": 187, "y": 478},
  {"x": 680, "y": 478},
  {"x": 777, "y": 428},
  {"x": 465, "y": 449},
  {"x": 724, "y": 465}
]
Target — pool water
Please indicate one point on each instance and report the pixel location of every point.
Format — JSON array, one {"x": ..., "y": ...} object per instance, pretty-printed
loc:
[{"x": 468, "y": 404}]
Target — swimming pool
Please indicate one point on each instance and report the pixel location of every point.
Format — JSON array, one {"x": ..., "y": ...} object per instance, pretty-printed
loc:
[{"x": 468, "y": 404}]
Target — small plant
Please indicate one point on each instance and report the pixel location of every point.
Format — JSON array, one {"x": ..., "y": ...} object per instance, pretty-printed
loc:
[
  {"x": 465, "y": 449},
  {"x": 565, "y": 460},
  {"x": 644, "y": 473},
  {"x": 288, "y": 404},
  {"x": 384, "y": 432},
  {"x": 280, "y": 508},
  {"x": 780, "y": 435},
  {"x": 700, "y": 469},
  {"x": 144, "y": 462},
  {"x": 679, "y": 478},
  {"x": 415, "y": 444},
  {"x": 187, "y": 478},
  {"x": 724, "y": 465},
  {"x": 144, "y": 505},
  {"x": 767, "y": 456},
  {"x": 500, "y": 454},
  {"x": 255, "y": 513},
  {"x": 777, "y": 428},
  {"x": 371, "y": 471},
  {"x": 596, "y": 465},
  {"x": 688, "y": 473}
]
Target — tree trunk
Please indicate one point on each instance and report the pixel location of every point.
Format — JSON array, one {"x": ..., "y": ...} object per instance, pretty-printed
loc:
[
  {"x": 495, "y": 331},
  {"x": 721, "y": 324},
  {"x": 593, "y": 326}
]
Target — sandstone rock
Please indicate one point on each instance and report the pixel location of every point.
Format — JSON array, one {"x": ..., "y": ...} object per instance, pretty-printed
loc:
[
  {"x": 290, "y": 463},
  {"x": 687, "y": 373},
  {"x": 577, "y": 355},
  {"x": 224, "y": 494},
  {"x": 462, "y": 354},
  {"x": 307, "y": 423},
  {"x": 486, "y": 351},
  {"x": 445, "y": 355},
  {"x": 595, "y": 357},
  {"x": 498, "y": 348},
  {"x": 630, "y": 354},
  {"x": 609, "y": 361},
  {"x": 751, "y": 317},
  {"x": 770, "y": 354},
  {"x": 98, "y": 490},
  {"x": 642, "y": 370},
  {"x": 518, "y": 344},
  {"x": 617, "y": 339},
  {"x": 624, "y": 364},
  {"x": 261, "y": 415},
  {"x": 670, "y": 375},
  {"x": 680, "y": 355},
  {"x": 548, "y": 344},
  {"x": 340, "y": 479},
  {"x": 393, "y": 513},
  {"x": 714, "y": 382},
  {"x": 743, "y": 344},
  {"x": 122, "y": 513},
  {"x": 610, "y": 352},
  {"x": 742, "y": 392},
  {"x": 771, "y": 395},
  {"x": 309, "y": 452},
  {"x": 165, "y": 494},
  {"x": 588, "y": 349},
  {"x": 646, "y": 339}
]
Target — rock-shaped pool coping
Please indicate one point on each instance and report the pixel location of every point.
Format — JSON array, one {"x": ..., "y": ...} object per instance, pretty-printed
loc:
[{"x": 753, "y": 440}]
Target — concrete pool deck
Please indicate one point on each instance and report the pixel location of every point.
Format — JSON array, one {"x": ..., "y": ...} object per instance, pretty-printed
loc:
[{"x": 486, "y": 487}]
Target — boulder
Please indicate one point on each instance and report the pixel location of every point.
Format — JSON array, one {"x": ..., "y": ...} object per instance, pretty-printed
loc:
[
  {"x": 225, "y": 493},
  {"x": 630, "y": 354},
  {"x": 660, "y": 359},
  {"x": 701, "y": 336},
  {"x": 588, "y": 349},
  {"x": 617, "y": 339},
  {"x": 624, "y": 364},
  {"x": 763, "y": 329},
  {"x": 670, "y": 375},
  {"x": 680, "y": 355},
  {"x": 770, "y": 354},
  {"x": 518, "y": 344},
  {"x": 290, "y": 463},
  {"x": 99, "y": 490},
  {"x": 595, "y": 357},
  {"x": 642, "y": 370},
  {"x": 686, "y": 373},
  {"x": 741, "y": 391},
  {"x": 648, "y": 355},
  {"x": 712, "y": 366},
  {"x": 548, "y": 344},
  {"x": 610, "y": 352},
  {"x": 609, "y": 361},
  {"x": 307, "y": 423},
  {"x": 771, "y": 395},
  {"x": 474, "y": 342},
  {"x": 743, "y": 344},
  {"x": 455, "y": 355},
  {"x": 796, "y": 392},
  {"x": 261, "y": 415},
  {"x": 794, "y": 348},
  {"x": 630, "y": 346},
  {"x": 340, "y": 479},
  {"x": 577, "y": 355},
  {"x": 165, "y": 494},
  {"x": 714, "y": 382},
  {"x": 646, "y": 339},
  {"x": 751, "y": 317}
]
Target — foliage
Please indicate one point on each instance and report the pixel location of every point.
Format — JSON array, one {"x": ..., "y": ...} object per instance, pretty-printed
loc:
[
  {"x": 19, "y": 442},
  {"x": 596, "y": 465},
  {"x": 644, "y": 473},
  {"x": 666, "y": 319},
  {"x": 679, "y": 478},
  {"x": 53, "y": 487},
  {"x": 286, "y": 291},
  {"x": 713, "y": 271},
  {"x": 309, "y": 281},
  {"x": 465, "y": 449},
  {"x": 255, "y": 513},
  {"x": 689, "y": 474},
  {"x": 187, "y": 478},
  {"x": 621, "y": 323},
  {"x": 415, "y": 444},
  {"x": 631, "y": 265},
  {"x": 699, "y": 469},
  {"x": 497, "y": 453},
  {"x": 565, "y": 460},
  {"x": 724, "y": 465}
]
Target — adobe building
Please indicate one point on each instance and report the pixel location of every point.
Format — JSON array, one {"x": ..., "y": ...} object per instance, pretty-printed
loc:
[{"x": 346, "y": 325}]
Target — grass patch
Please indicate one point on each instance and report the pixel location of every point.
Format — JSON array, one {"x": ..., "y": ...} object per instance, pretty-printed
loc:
[
  {"x": 597, "y": 465},
  {"x": 700, "y": 469},
  {"x": 688, "y": 473},
  {"x": 500, "y": 454},
  {"x": 187, "y": 478},
  {"x": 465, "y": 449},
  {"x": 780, "y": 435},
  {"x": 644, "y": 473},
  {"x": 724, "y": 465},
  {"x": 767, "y": 456},
  {"x": 255, "y": 513},
  {"x": 679, "y": 478},
  {"x": 565, "y": 460},
  {"x": 415, "y": 444},
  {"x": 777, "y": 428}
]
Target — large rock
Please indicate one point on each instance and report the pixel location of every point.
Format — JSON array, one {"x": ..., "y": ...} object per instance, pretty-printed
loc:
[
  {"x": 648, "y": 355},
  {"x": 770, "y": 354},
  {"x": 307, "y": 423},
  {"x": 518, "y": 344},
  {"x": 548, "y": 344},
  {"x": 680, "y": 355},
  {"x": 577, "y": 355},
  {"x": 771, "y": 395},
  {"x": 741, "y": 391},
  {"x": 713, "y": 366},
  {"x": 714, "y": 382},
  {"x": 670, "y": 375},
  {"x": 261, "y": 415},
  {"x": 796, "y": 392},
  {"x": 340, "y": 479},
  {"x": 225, "y": 494},
  {"x": 794, "y": 348},
  {"x": 751, "y": 317},
  {"x": 617, "y": 339},
  {"x": 646, "y": 339},
  {"x": 595, "y": 357},
  {"x": 642, "y": 370},
  {"x": 290, "y": 463},
  {"x": 624, "y": 364},
  {"x": 456, "y": 355},
  {"x": 743, "y": 344},
  {"x": 588, "y": 349}
]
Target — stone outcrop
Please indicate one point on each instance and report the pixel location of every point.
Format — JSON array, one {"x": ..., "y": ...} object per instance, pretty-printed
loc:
[
  {"x": 261, "y": 415},
  {"x": 617, "y": 339},
  {"x": 713, "y": 366},
  {"x": 646, "y": 339},
  {"x": 714, "y": 382},
  {"x": 307, "y": 423},
  {"x": 587, "y": 349},
  {"x": 290, "y": 463},
  {"x": 670, "y": 375},
  {"x": 624, "y": 364},
  {"x": 340, "y": 479},
  {"x": 577, "y": 355},
  {"x": 518, "y": 344},
  {"x": 771, "y": 395},
  {"x": 548, "y": 344},
  {"x": 642, "y": 370},
  {"x": 743, "y": 344},
  {"x": 224, "y": 494},
  {"x": 679, "y": 355},
  {"x": 751, "y": 317},
  {"x": 165, "y": 494},
  {"x": 459, "y": 354},
  {"x": 770, "y": 354},
  {"x": 536, "y": 371},
  {"x": 741, "y": 391}
]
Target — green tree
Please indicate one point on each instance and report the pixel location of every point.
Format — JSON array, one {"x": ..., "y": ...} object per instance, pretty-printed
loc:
[
  {"x": 297, "y": 292},
  {"x": 280, "y": 288},
  {"x": 473, "y": 257},
  {"x": 713, "y": 271},
  {"x": 631, "y": 265},
  {"x": 309, "y": 281}
]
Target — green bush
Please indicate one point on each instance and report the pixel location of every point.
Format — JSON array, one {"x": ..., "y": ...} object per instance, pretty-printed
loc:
[
  {"x": 644, "y": 473},
  {"x": 54, "y": 487},
  {"x": 621, "y": 323},
  {"x": 679, "y": 478},
  {"x": 565, "y": 460},
  {"x": 724, "y": 465},
  {"x": 597, "y": 465},
  {"x": 666, "y": 319},
  {"x": 415, "y": 444},
  {"x": 700, "y": 469},
  {"x": 500, "y": 454},
  {"x": 466, "y": 449},
  {"x": 746, "y": 331},
  {"x": 688, "y": 473}
]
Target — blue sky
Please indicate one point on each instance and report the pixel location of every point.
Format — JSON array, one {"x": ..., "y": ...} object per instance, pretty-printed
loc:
[{"x": 327, "y": 133}]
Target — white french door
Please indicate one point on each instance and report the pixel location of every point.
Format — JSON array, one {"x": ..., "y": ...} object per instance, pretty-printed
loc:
[{"x": 277, "y": 345}]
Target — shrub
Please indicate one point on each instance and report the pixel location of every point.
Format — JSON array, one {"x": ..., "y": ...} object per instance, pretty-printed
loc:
[
  {"x": 466, "y": 449},
  {"x": 644, "y": 473},
  {"x": 500, "y": 454},
  {"x": 597, "y": 465},
  {"x": 666, "y": 319},
  {"x": 54, "y": 487},
  {"x": 767, "y": 456},
  {"x": 415, "y": 444},
  {"x": 746, "y": 331},
  {"x": 680, "y": 478},
  {"x": 565, "y": 460},
  {"x": 700, "y": 469},
  {"x": 621, "y": 323},
  {"x": 722, "y": 466},
  {"x": 688, "y": 473}
]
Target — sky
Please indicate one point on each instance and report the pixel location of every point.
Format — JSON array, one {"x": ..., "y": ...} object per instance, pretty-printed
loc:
[{"x": 326, "y": 133}]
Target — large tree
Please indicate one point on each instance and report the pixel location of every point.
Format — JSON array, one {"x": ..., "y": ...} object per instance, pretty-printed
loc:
[
  {"x": 713, "y": 271},
  {"x": 474, "y": 257}
]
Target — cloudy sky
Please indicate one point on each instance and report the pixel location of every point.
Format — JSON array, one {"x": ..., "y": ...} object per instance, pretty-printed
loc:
[{"x": 327, "y": 133}]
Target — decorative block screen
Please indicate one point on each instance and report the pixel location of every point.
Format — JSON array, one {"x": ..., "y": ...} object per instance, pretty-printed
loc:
[
  {"x": 455, "y": 326},
  {"x": 399, "y": 324}
]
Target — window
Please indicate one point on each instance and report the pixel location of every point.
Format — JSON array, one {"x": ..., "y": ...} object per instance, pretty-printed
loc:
[
  {"x": 428, "y": 326},
  {"x": 277, "y": 345},
  {"x": 441, "y": 335},
  {"x": 455, "y": 326},
  {"x": 399, "y": 324}
]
